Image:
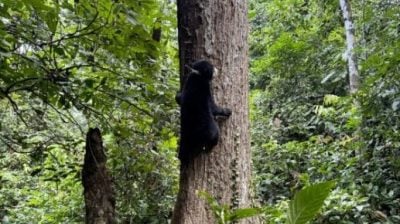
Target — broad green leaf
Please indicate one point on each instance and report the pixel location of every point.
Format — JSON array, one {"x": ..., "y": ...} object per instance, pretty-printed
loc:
[
  {"x": 245, "y": 213},
  {"x": 307, "y": 202}
]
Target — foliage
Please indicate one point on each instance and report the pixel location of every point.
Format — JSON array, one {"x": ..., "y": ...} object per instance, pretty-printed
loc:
[
  {"x": 69, "y": 65},
  {"x": 224, "y": 214},
  {"x": 54, "y": 196},
  {"x": 306, "y": 203},
  {"x": 306, "y": 127},
  {"x": 302, "y": 208}
]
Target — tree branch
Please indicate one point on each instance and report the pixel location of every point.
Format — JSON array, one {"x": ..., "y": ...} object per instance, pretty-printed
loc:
[
  {"x": 78, "y": 33},
  {"x": 15, "y": 107},
  {"x": 8, "y": 89},
  {"x": 126, "y": 101}
]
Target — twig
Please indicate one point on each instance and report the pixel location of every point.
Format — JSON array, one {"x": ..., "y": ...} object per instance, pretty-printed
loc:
[
  {"x": 126, "y": 101},
  {"x": 15, "y": 108},
  {"x": 75, "y": 34},
  {"x": 8, "y": 89}
]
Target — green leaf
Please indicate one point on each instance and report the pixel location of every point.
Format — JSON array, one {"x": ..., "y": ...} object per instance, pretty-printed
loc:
[
  {"x": 51, "y": 19},
  {"x": 307, "y": 202},
  {"x": 89, "y": 82},
  {"x": 59, "y": 50},
  {"x": 245, "y": 213}
]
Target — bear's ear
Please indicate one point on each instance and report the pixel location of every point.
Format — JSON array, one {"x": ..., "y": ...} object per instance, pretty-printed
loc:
[{"x": 191, "y": 70}]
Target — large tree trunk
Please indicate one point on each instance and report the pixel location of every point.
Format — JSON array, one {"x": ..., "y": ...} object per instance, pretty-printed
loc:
[
  {"x": 350, "y": 42},
  {"x": 97, "y": 183},
  {"x": 217, "y": 31}
]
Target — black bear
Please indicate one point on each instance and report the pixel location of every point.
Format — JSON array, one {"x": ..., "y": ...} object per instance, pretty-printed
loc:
[{"x": 199, "y": 129}]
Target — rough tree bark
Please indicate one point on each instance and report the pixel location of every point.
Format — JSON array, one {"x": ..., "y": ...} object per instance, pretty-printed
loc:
[
  {"x": 97, "y": 183},
  {"x": 217, "y": 31},
  {"x": 350, "y": 42}
]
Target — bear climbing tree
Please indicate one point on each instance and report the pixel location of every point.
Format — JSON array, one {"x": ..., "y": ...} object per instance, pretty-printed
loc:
[{"x": 199, "y": 129}]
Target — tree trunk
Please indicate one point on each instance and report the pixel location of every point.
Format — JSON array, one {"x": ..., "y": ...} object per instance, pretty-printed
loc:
[
  {"x": 350, "y": 42},
  {"x": 97, "y": 183},
  {"x": 217, "y": 31}
]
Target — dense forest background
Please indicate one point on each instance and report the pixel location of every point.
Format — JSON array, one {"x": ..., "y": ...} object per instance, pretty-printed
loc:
[{"x": 66, "y": 66}]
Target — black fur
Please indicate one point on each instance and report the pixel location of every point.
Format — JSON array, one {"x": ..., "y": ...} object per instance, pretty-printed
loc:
[{"x": 199, "y": 130}]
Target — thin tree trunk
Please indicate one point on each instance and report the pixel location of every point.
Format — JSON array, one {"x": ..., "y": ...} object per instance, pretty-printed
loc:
[
  {"x": 350, "y": 42},
  {"x": 217, "y": 31},
  {"x": 97, "y": 183}
]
